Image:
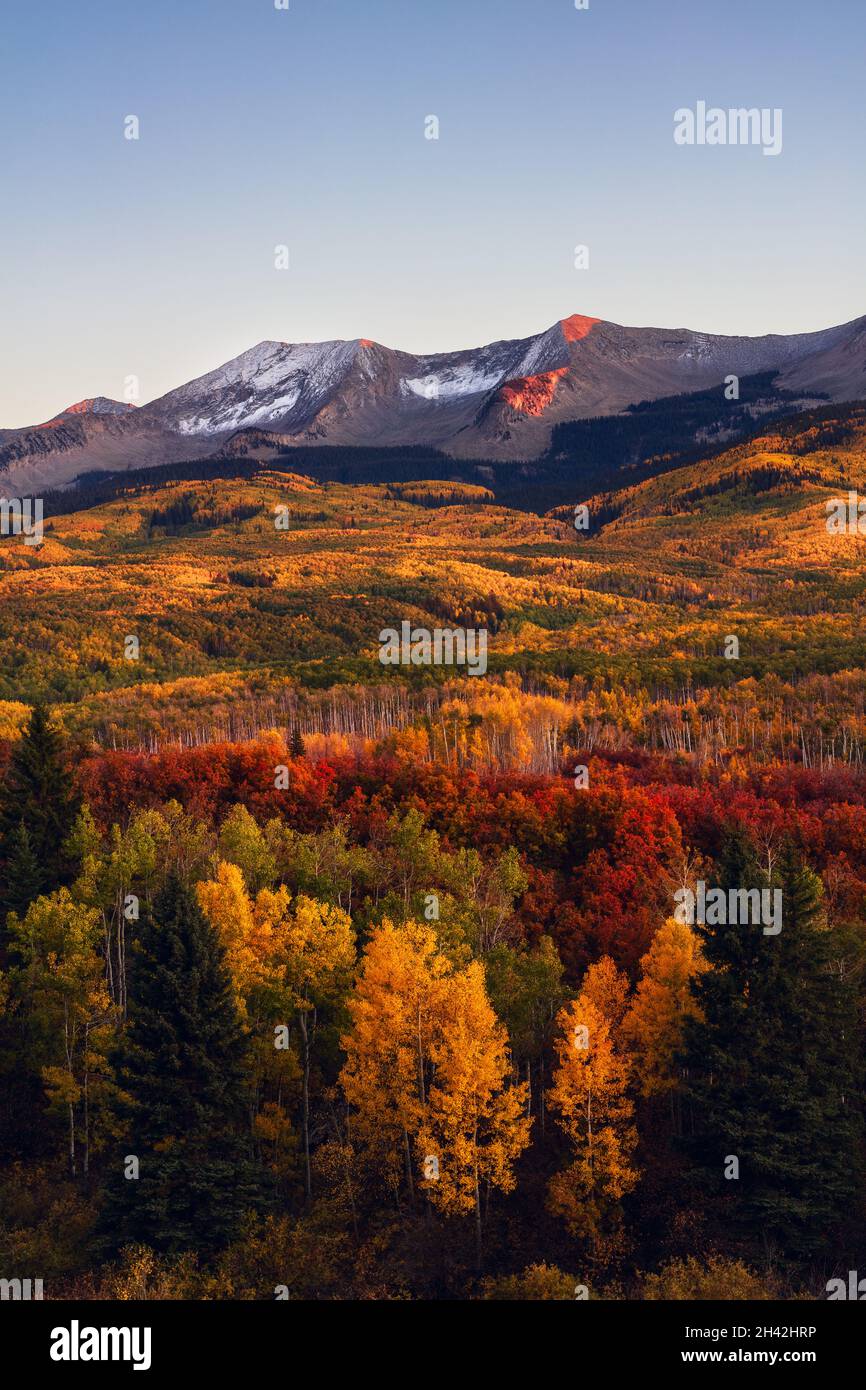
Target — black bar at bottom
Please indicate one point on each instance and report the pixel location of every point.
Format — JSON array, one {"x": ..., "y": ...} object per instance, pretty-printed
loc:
[{"x": 150, "y": 1338}]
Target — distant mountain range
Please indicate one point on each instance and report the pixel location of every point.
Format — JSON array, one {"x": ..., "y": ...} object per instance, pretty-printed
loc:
[{"x": 499, "y": 402}]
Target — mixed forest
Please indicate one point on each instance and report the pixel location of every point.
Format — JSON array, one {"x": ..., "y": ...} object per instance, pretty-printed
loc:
[{"x": 326, "y": 980}]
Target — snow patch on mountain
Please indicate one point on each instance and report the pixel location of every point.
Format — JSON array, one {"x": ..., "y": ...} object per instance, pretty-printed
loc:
[
  {"x": 261, "y": 385},
  {"x": 467, "y": 380},
  {"x": 501, "y": 400},
  {"x": 487, "y": 368}
]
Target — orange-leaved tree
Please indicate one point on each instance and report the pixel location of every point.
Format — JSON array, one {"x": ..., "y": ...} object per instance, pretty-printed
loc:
[
  {"x": 394, "y": 1010},
  {"x": 663, "y": 1001},
  {"x": 474, "y": 1126},
  {"x": 590, "y": 1099},
  {"x": 428, "y": 1075}
]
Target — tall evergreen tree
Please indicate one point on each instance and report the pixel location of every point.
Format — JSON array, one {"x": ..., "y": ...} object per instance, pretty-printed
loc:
[
  {"x": 23, "y": 876},
  {"x": 810, "y": 1073},
  {"x": 182, "y": 1071},
  {"x": 36, "y": 794},
  {"x": 774, "y": 1066},
  {"x": 297, "y": 749}
]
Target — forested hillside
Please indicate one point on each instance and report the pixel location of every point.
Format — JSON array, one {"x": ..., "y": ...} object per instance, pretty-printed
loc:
[{"x": 325, "y": 978}]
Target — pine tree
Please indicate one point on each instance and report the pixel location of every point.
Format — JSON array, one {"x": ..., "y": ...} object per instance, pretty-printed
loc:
[
  {"x": 23, "y": 876},
  {"x": 773, "y": 1066},
  {"x": 810, "y": 1076},
  {"x": 182, "y": 1071},
  {"x": 37, "y": 794},
  {"x": 297, "y": 749}
]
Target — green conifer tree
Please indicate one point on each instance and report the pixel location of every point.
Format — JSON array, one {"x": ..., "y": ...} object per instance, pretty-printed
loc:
[
  {"x": 297, "y": 749},
  {"x": 36, "y": 793},
  {"x": 23, "y": 876},
  {"x": 773, "y": 1067},
  {"x": 182, "y": 1069}
]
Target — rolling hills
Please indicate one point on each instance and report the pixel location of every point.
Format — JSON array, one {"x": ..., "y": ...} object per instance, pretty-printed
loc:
[{"x": 242, "y": 626}]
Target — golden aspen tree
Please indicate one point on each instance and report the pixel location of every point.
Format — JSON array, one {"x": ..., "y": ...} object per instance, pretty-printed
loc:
[
  {"x": 248, "y": 937},
  {"x": 607, "y": 988},
  {"x": 283, "y": 957},
  {"x": 590, "y": 1098},
  {"x": 316, "y": 953},
  {"x": 247, "y": 932},
  {"x": 394, "y": 1017},
  {"x": 663, "y": 1001},
  {"x": 428, "y": 1073},
  {"x": 474, "y": 1126},
  {"x": 59, "y": 983}
]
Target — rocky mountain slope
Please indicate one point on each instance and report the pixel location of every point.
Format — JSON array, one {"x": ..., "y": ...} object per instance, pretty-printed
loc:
[{"x": 500, "y": 401}]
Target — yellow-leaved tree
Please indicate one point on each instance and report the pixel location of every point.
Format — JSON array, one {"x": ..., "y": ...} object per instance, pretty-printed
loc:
[
  {"x": 246, "y": 934},
  {"x": 288, "y": 960},
  {"x": 428, "y": 1076},
  {"x": 57, "y": 988},
  {"x": 607, "y": 988},
  {"x": 590, "y": 1099},
  {"x": 663, "y": 1001},
  {"x": 474, "y": 1126},
  {"x": 315, "y": 953},
  {"x": 394, "y": 1011}
]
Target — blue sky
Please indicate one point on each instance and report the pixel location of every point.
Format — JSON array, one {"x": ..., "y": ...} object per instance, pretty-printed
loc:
[{"x": 261, "y": 127}]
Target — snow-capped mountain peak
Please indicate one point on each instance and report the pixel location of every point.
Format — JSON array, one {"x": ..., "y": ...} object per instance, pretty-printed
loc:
[
  {"x": 266, "y": 383},
  {"x": 501, "y": 400}
]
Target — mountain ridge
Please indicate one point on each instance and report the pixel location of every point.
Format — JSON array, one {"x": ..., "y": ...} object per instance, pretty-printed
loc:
[{"x": 501, "y": 401}]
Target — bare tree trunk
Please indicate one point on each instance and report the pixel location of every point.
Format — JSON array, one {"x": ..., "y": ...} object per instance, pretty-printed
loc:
[
  {"x": 479, "y": 1246},
  {"x": 69, "y": 1045},
  {"x": 420, "y": 1061},
  {"x": 86, "y": 1101},
  {"x": 409, "y": 1179},
  {"x": 308, "y": 1177}
]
